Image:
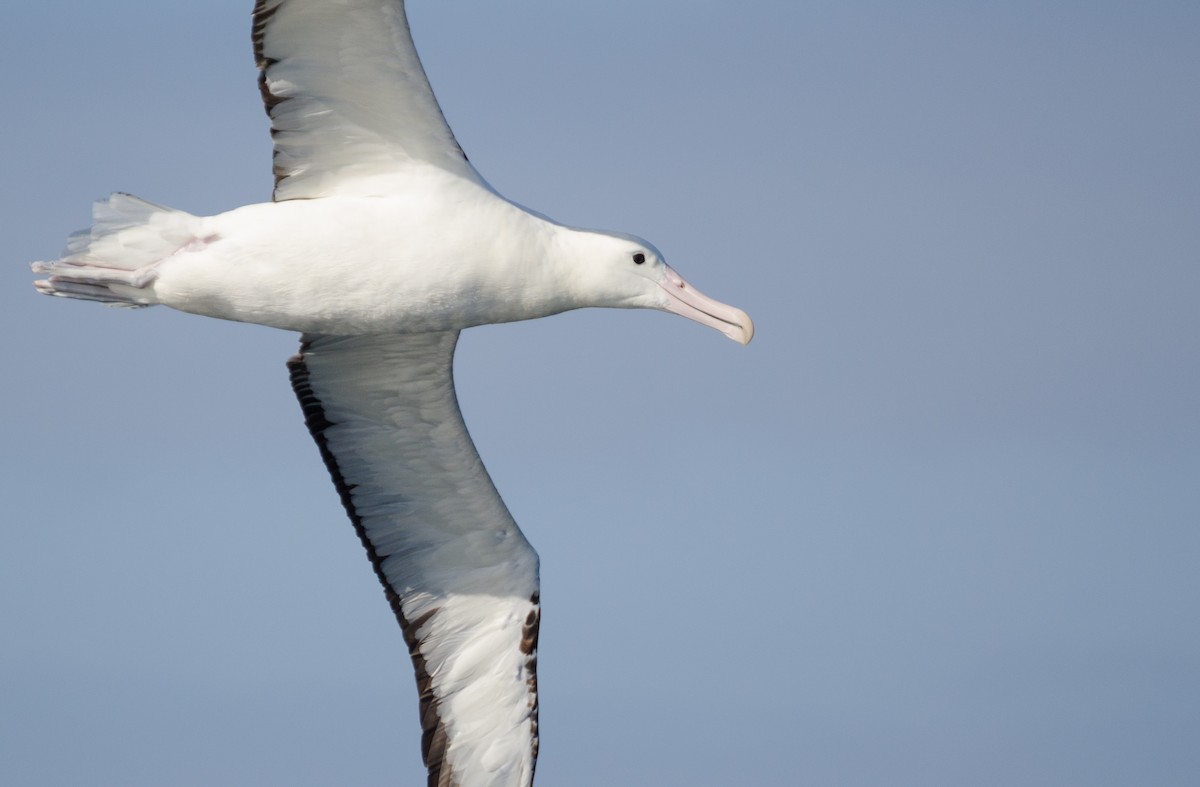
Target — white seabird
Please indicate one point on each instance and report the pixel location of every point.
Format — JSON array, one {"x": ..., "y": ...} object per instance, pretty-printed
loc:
[{"x": 383, "y": 242}]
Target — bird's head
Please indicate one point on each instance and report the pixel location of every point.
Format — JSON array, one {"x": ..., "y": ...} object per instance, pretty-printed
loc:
[{"x": 625, "y": 271}]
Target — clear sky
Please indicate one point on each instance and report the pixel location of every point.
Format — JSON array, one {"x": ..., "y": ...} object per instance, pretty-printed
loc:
[{"x": 938, "y": 525}]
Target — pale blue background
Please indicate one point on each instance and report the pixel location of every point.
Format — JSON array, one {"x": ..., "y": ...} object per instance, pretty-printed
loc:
[{"x": 938, "y": 525}]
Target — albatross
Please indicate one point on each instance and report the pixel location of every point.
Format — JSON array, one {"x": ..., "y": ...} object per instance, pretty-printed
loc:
[{"x": 382, "y": 242}]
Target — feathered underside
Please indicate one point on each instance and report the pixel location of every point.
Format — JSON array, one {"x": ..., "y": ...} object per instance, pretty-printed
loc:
[
  {"x": 351, "y": 109},
  {"x": 459, "y": 575}
]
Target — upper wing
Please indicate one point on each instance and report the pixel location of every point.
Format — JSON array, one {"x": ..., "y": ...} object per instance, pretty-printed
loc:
[
  {"x": 350, "y": 106},
  {"x": 460, "y": 576}
]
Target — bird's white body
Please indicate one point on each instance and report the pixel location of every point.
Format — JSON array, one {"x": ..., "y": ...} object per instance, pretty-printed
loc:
[
  {"x": 382, "y": 244},
  {"x": 403, "y": 263}
]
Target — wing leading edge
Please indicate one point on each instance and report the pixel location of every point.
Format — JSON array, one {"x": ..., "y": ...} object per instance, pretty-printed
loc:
[{"x": 458, "y": 573}]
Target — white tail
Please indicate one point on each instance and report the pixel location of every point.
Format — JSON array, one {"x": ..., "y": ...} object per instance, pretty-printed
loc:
[{"x": 117, "y": 258}]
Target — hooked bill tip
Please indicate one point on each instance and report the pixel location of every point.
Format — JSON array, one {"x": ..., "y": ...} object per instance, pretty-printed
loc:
[{"x": 744, "y": 322}]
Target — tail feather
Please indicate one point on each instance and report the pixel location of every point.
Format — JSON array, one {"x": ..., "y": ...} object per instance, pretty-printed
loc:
[
  {"x": 90, "y": 292},
  {"x": 116, "y": 259}
]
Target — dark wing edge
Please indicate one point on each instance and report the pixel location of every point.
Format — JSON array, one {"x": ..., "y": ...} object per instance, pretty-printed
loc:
[{"x": 263, "y": 11}]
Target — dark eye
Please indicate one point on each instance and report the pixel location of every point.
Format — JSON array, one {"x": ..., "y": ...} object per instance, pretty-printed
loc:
[{"x": 639, "y": 258}]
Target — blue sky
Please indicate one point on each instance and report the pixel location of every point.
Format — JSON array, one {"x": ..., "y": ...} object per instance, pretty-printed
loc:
[{"x": 938, "y": 525}]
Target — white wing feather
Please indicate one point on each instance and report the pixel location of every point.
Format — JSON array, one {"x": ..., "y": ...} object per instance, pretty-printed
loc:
[
  {"x": 351, "y": 109},
  {"x": 459, "y": 574}
]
